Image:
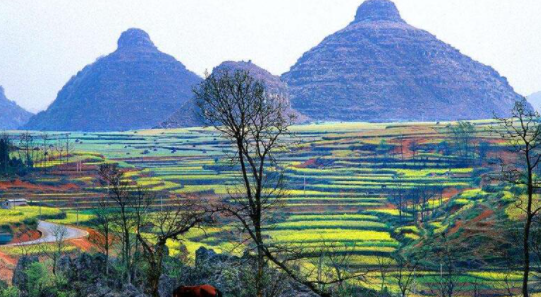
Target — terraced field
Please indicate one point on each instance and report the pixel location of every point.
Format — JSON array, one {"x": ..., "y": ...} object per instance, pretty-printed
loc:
[{"x": 341, "y": 179}]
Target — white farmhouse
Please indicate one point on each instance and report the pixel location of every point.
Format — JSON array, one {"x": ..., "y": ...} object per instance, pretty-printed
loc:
[{"x": 10, "y": 203}]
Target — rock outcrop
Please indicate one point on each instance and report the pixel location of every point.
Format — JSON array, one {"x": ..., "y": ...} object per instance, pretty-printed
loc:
[
  {"x": 189, "y": 115},
  {"x": 12, "y": 116},
  {"x": 135, "y": 87},
  {"x": 379, "y": 68}
]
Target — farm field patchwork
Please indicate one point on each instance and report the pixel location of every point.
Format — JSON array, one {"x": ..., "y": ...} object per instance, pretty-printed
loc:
[{"x": 342, "y": 179}]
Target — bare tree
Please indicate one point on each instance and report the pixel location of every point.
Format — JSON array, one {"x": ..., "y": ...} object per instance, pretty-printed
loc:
[
  {"x": 334, "y": 269},
  {"x": 170, "y": 223},
  {"x": 124, "y": 198},
  {"x": 414, "y": 147},
  {"x": 59, "y": 147},
  {"x": 104, "y": 223},
  {"x": 60, "y": 234},
  {"x": 398, "y": 198},
  {"x": 27, "y": 149},
  {"x": 70, "y": 147},
  {"x": 384, "y": 267},
  {"x": 523, "y": 132},
  {"x": 404, "y": 273},
  {"x": 463, "y": 135},
  {"x": 402, "y": 144},
  {"x": 253, "y": 120},
  {"x": 446, "y": 281},
  {"x": 45, "y": 148},
  {"x": 425, "y": 193}
]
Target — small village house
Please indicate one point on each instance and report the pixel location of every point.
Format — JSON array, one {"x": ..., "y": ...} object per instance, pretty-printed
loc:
[{"x": 10, "y": 203}]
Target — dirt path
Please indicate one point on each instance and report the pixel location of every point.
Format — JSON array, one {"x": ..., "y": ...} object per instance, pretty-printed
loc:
[{"x": 49, "y": 233}]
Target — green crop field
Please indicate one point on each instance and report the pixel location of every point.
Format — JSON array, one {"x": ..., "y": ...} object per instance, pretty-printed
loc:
[{"x": 342, "y": 183}]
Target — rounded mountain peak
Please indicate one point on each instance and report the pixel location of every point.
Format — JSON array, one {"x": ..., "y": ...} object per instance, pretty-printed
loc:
[
  {"x": 135, "y": 38},
  {"x": 240, "y": 65},
  {"x": 378, "y": 10},
  {"x": 254, "y": 70}
]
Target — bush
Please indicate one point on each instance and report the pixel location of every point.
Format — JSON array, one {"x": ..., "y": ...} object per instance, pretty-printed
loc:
[
  {"x": 32, "y": 223},
  {"x": 9, "y": 292}
]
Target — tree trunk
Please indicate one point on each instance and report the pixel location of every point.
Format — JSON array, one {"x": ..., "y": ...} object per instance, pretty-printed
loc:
[
  {"x": 260, "y": 264},
  {"x": 107, "y": 254},
  {"x": 527, "y": 227},
  {"x": 154, "y": 274},
  {"x": 127, "y": 254},
  {"x": 526, "y": 251}
]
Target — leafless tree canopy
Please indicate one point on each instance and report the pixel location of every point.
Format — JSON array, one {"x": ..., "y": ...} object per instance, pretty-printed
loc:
[
  {"x": 154, "y": 229},
  {"x": 522, "y": 131},
  {"x": 253, "y": 120}
]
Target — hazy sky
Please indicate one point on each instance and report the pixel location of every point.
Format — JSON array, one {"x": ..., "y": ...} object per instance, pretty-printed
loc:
[{"x": 43, "y": 43}]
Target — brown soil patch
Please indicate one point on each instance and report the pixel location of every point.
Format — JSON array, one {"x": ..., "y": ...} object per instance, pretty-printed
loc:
[
  {"x": 87, "y": 244},
  {"x": 19, "y": 184},
  {"x": 386, "y": 206},
  {"x": 485, "y": 214},
  {"x": 7, "y": 265},
  {"x": 26, "y": 236},
  {"x": 307, "y": 164},
  {"x": 455, "y": 228},
  {"x": 83, "y": 244},
  {"x": 450, "y": 193}
]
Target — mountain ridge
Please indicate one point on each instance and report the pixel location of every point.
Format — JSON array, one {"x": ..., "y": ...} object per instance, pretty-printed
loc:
[
  {"x": 379, "y": 68},
  {"x": 189, "y": 114},
  {"x": 535, "y": 100},
  {"x": 12, "y": 116},
  {"x": 134, "y": 87}
]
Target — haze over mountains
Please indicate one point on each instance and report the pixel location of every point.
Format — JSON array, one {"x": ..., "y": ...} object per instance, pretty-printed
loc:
[
  {"x": 12, "y": 116},
  {"x": 379, "y": 68},
  {"x": 189, "y": 114},
  {"x": 135, "y": 87},
  {"x": 535, "y": 101}
]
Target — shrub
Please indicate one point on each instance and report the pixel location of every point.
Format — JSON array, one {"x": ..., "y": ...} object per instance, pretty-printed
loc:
[
  {"x": 31, "y": 222},
  {"x": 9, "y": 292}
]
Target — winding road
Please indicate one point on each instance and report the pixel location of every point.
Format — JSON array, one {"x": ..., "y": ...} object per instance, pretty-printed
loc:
[{"x": 49, "y": 233}]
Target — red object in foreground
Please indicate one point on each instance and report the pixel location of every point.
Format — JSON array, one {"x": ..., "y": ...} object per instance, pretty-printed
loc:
[{"x": 197, "y": 291}]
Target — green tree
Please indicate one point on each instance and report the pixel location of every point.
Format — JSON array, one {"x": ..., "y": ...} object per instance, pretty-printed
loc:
[
  {"x": 39, "y": 279},
  {"x": 9, "y": 291},
  {"x": 5, "y": 149}
]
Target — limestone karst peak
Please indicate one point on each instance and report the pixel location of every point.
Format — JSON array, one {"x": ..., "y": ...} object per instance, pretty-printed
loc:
[
  {"x": 135, "y": 87},
  {"x": 12, "y": 116},
  {"x": 378, "y": 10},
  {"x": 378, "y": 68},
  {"x": 135, "y": 38}
]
